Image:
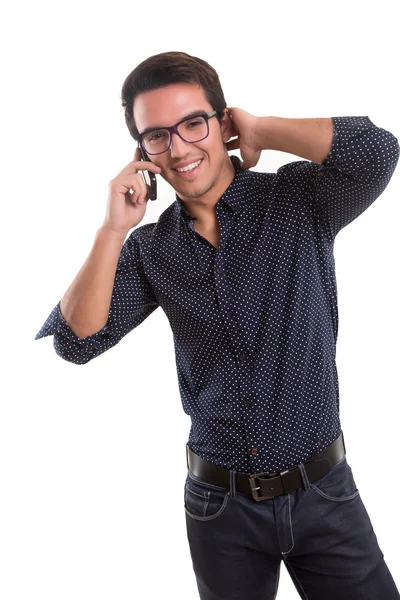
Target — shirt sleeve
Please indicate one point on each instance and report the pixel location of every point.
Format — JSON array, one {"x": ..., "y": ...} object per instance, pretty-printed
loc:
[
  {"x": 355, "y": 172},
  {"x": 132, "y": 301}
]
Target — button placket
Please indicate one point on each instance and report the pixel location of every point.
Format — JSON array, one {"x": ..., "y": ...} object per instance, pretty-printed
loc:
[{"x": 225, "y": 221}]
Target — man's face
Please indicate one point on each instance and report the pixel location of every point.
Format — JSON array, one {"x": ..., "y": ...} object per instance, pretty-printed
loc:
[{"x": 165, "y": 107}]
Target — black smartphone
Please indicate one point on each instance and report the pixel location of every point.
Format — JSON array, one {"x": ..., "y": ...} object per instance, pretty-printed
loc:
[{"x": 149, "y": 178}]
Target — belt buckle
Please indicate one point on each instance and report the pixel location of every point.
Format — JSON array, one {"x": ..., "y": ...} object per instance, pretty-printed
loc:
[{"x": 255, "y": 488}]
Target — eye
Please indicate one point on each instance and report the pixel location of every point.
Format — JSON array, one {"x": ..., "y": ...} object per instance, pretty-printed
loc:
[
  {"x": 156, "y": 136},
  {"x": 194, "y": 123}
]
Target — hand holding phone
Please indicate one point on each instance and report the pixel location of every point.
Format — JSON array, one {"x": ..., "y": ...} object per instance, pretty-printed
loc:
[{"x": 129, "y": 192}]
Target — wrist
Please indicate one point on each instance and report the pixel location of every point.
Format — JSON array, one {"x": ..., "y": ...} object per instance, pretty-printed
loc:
[
  {"x": 107, "y": 229},
  {"x": 260, "y": 131}
]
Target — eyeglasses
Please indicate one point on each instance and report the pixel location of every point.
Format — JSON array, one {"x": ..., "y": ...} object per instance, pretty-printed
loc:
[{"x": 192, "y": 129}]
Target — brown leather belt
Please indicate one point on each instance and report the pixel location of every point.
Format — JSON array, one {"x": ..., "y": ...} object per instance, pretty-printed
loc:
[{"x": 264, "y": 486}]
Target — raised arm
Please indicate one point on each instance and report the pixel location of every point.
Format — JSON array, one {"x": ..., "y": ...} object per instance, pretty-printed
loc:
[{"x": 351, "y": 163}]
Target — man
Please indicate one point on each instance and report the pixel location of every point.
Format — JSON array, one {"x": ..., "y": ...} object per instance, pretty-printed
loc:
[{"x": 242, "y": 264}]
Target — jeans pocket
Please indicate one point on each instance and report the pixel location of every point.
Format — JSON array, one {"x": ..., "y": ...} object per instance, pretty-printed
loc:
[
  {"x": 338, "y": 484},
  {"x": 204, "y": 501}
]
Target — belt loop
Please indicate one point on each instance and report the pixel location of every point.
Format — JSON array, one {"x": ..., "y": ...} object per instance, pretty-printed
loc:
[
  {"x": 303, "y": 473},
  {"x": 232, "y": 483}
]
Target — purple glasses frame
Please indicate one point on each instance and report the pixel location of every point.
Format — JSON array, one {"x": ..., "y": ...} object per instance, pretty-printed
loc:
[{"x": 173, "y": 129}]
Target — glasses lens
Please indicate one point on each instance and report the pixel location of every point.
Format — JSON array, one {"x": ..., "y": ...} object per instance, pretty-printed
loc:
[
  {"x": 156, "y": 141},
  {"x": 193, "y": 129}
]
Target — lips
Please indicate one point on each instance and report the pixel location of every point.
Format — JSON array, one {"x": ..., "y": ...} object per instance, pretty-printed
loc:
[
  {"x": 189, "y": 174},
  {"x": 187, "y": 164}
]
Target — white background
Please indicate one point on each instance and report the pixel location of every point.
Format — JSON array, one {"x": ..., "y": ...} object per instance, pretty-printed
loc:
[{"x": 93, "y": 463}]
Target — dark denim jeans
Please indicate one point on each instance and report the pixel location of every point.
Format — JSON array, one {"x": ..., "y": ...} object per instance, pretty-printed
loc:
[{"x": 322, "y": 532}]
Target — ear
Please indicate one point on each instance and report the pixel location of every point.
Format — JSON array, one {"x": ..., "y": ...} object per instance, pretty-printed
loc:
[{"x": 227, "y": 128}]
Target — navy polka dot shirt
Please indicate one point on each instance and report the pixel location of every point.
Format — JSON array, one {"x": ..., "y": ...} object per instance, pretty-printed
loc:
[{"x": 254, "y": 322}]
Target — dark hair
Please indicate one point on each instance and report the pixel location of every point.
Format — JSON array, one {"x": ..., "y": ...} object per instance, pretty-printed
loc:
[{"x": 163, "y": 69}]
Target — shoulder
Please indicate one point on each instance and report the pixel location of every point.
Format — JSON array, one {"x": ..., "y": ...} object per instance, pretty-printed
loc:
[{"x": 145, "y": 236}]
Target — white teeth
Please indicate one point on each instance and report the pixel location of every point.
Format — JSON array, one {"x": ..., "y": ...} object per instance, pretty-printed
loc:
[{"x": 189, "y": 167}]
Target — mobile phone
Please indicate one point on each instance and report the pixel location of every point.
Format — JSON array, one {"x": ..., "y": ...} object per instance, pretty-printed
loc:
[{"x": 149, "y": 178}]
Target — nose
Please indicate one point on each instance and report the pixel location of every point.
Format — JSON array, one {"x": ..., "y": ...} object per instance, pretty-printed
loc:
[{"x": 178, "y": 147}]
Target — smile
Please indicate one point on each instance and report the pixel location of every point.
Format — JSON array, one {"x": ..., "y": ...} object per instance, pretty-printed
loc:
[
  {"x": 189, "y": 167},
  {"x": 189, "y": 170}
]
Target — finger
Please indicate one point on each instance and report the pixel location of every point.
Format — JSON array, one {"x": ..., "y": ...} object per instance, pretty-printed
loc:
[
  {"x": 233, "y": 144},
  {"x": 137, "y": 198},
  {"x": 139, "y": 185},
  {"x": 143, "y": 190},
  {"x": 132, "y": 197},
  {"x": 146, "y": 165},
  {"x": 143, "y": 193},
  {"x": 143, "y": 165},
  {"x": 234, "y": 127},
  {"x": 247, "y": 164},
  {"x": 136, "y": 188}
]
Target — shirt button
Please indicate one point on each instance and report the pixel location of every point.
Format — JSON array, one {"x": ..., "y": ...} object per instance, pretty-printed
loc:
[
  {"x": 247, "y": 401},
  {"x": 254, "y": 451}
]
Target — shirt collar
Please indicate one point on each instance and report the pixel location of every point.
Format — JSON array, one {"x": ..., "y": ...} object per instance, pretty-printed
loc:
[{"x": 234, "y": 196}]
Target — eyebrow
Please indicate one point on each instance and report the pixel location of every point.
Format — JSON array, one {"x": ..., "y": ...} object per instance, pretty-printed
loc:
[{"x": 191, "y": 114}]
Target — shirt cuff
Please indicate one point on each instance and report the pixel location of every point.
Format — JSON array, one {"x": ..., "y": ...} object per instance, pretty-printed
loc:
[
  {"x": 56, "y": 324},
  {"x": 344, "y": 128}
]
